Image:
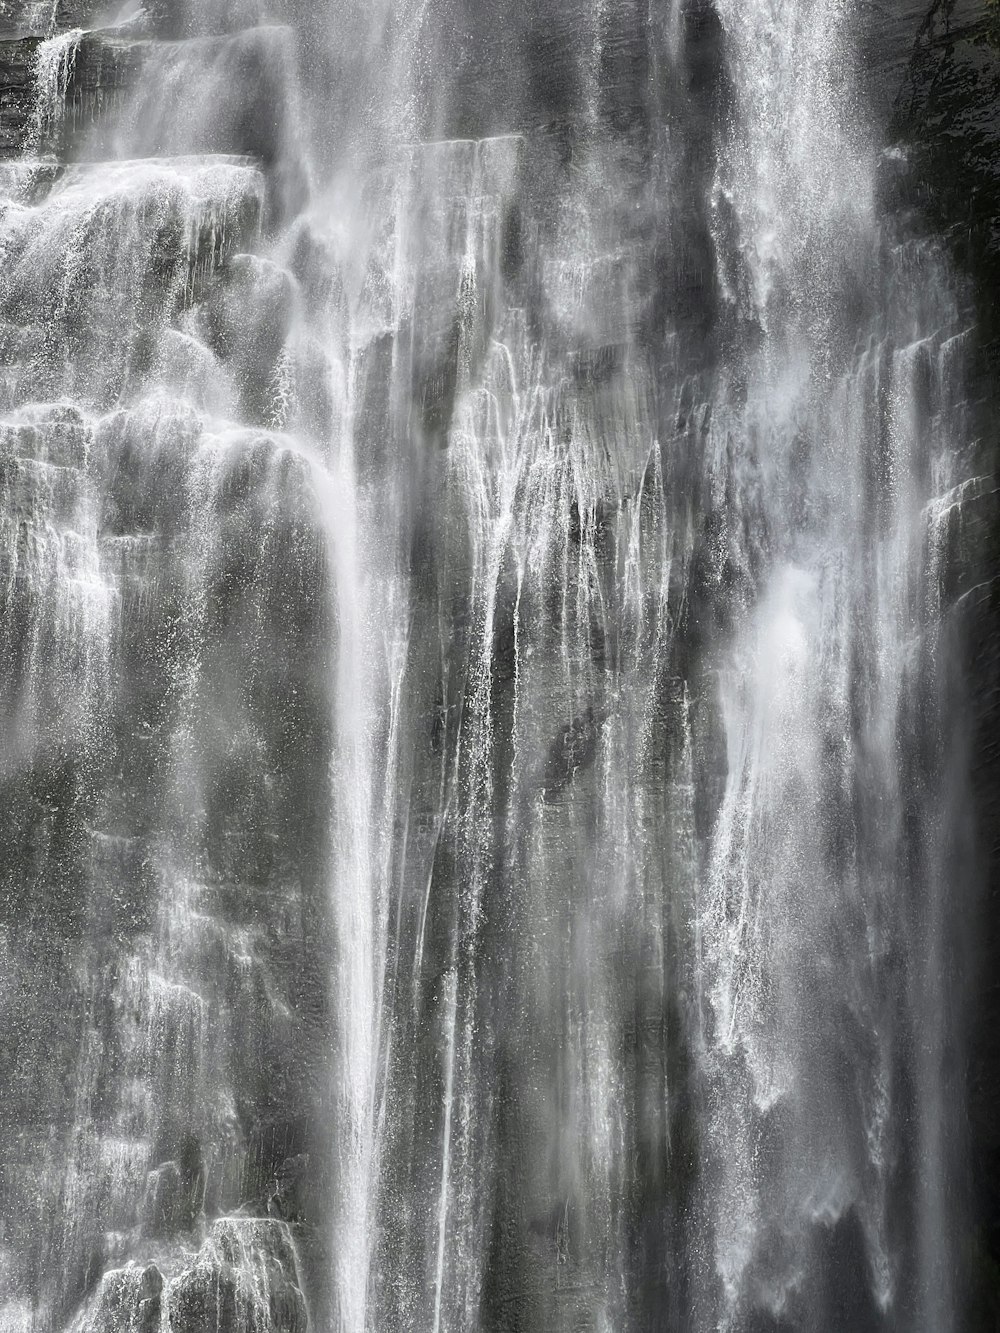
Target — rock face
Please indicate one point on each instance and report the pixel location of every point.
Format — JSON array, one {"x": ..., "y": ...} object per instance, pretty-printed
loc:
[
  {"x": 243, "y": 1279},
  {"x": 264, "y": 416},
  {"x": 946, "y": 113},
  {"x": 182, "y": 1071},
  {"x": 126, "y": 1298},
  {"x": 43, "y": 18},
  {"x": 17, "y": 91}
]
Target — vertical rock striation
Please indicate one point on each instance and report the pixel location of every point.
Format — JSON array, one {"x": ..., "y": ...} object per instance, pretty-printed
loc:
[{"x": 497, "y": 652}]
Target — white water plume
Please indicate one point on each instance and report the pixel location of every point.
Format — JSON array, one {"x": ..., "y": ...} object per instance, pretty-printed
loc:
[{"x": 479, "y": 490}]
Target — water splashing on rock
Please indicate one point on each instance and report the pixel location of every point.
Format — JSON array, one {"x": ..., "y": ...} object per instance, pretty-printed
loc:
[{"x": 482, "y": 740}]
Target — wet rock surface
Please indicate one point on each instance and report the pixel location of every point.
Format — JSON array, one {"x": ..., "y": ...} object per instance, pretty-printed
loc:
[
  {"x": 243, "y": 1279},
  {"x": 164, "y": 859},
  {"x": 158, "y": 1135},
  {"x": 946, "y": 116},
  {"x": 17, "y": 91}
]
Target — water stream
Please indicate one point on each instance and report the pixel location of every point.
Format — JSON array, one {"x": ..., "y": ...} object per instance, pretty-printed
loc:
[{"x": 480, "y": 760}]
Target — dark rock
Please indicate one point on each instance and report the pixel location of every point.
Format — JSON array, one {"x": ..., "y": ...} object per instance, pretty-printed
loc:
[
  {"x": 248, "y": 315},
  {"x": 150, "y": 1291},
  {"x": 174, "y": 1195},
  {"x": 152, "y": 1283},
  {"x": 290, "y": 1188},
  {"x": 99, "y": 69},
  {"x": 42, "y": 18},
  {"x": 17, "y": 91},
  {"x": 208, "y": 1297},
  {"x": 573, "y": 749},
  {"x": 162, "y": 1209},
  {"x": 128, "y": 1300},
  {"x": 946, "y": 112},
  {"x": 244, "y": 1280},
  {"x": 964, "y": 538},
  {"x": 105, "y": 66}
]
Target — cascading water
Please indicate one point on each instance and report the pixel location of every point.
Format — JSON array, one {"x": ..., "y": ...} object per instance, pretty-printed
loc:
[{"x": 482, "y": 745}]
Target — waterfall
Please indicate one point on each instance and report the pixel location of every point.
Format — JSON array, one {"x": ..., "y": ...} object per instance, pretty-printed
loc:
[{"x": 484, "y": 727}]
